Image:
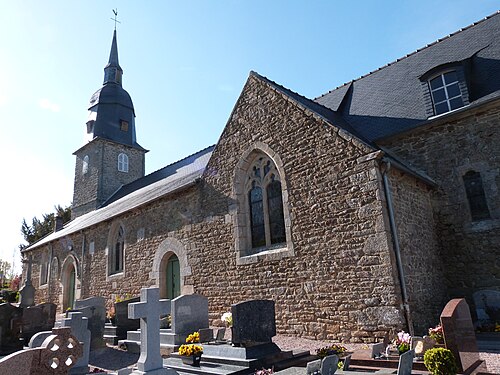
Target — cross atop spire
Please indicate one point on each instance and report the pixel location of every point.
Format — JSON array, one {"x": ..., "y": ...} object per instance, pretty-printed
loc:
[{"x": 115, "y": 12}]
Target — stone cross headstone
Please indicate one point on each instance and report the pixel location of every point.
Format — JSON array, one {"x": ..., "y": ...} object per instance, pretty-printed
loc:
[
  {"x": 458, "y": 331},
  {"x": 253, "y": 322},
  {"x": 329, "y": 365},
  {"x": 56, "y": 355},
  {"x": 149, "y": 311},
  {"x": 78, "y": 324},
  {"x": 94, "y": 309},
  {"x": 406, "y": 362},
  {"x": 189, "y": 314},
  {"x": 27, "y": 292}
]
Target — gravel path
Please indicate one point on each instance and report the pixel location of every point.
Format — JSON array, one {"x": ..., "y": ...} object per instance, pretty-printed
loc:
[{"x": 113, "y": 358}]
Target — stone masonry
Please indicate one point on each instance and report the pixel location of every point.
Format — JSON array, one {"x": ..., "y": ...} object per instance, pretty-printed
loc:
[
  {"x": 446, "y": 151},
  {"x": 339, "y": 283}
]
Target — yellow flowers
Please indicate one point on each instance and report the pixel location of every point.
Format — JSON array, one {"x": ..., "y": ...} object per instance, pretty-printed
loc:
[
  {"x": 193, "y": 337},
  {"x": 190, "y": 348}
]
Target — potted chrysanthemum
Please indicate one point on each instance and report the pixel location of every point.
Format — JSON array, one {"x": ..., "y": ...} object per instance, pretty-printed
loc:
[{"x": 191, "y": 351}]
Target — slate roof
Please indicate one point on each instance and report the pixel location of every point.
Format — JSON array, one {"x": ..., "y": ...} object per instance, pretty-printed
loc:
[
  {"x": 390, "y": 100},
  {"x": 169, "y": 179}
]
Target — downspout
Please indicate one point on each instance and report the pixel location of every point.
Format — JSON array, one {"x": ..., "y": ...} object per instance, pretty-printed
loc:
[
  {"x": 385, "y": 166},
  {"x": 82, "y": 264}
]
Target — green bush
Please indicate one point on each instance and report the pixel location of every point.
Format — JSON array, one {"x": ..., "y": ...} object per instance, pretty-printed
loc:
[{"x": 440, "y": 361}]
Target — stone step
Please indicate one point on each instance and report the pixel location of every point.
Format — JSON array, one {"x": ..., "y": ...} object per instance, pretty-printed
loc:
[{"x": 111, "y": 339}]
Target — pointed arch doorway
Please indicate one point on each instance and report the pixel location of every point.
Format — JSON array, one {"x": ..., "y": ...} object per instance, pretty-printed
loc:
[{"x": 172, "y": 279}]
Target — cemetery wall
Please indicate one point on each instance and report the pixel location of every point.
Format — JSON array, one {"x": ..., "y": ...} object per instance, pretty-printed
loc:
[
  {"x": 422, "y": 266},
  {"x": 446, "y": 150},
  {"x": 340, "y": 284}
]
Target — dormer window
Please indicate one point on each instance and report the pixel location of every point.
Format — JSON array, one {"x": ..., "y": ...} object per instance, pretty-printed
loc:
[
  {"x": 123, "y": 162},
  {"x": 445, "y": 91}
]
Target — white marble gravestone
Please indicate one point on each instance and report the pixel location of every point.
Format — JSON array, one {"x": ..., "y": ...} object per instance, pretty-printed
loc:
[{"x": 149, "y": 311}]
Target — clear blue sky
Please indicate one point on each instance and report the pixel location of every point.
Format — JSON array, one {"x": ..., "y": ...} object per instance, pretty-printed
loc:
[{"x": 185, "y": 63}]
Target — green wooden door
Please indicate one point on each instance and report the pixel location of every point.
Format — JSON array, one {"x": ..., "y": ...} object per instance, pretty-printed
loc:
[
  {"x": 173, "y": 277},
  {"x": 71, "y": 288}
]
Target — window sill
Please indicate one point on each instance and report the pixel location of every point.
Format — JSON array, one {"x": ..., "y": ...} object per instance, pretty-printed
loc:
[
  {"x": 268, "y": 254},
  {"x": 117, "y": 275},
  {"x": 43, "y": 286}
]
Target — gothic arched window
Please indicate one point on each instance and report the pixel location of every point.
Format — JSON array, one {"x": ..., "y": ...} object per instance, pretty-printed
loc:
[
  {"x": 475, "y": 195},
  {"x": 265, "y": 204},
  {"x": 123, "y": 162},
  {"x": 116, "y": 259}
]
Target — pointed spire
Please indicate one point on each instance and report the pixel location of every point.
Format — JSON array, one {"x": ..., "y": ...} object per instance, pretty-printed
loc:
[{"x": 113, "y": 72}]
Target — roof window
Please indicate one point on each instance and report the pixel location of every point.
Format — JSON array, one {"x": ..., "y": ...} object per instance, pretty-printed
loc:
[{"x": 445, "y": 91}]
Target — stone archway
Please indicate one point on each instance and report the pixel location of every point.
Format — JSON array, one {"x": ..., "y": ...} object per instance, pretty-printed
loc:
[
  {"x": 171, "y": 252},
  {"x": 69, "y": 282}
]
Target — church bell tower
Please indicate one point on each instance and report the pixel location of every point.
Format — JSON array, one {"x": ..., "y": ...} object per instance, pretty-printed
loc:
[{"x": 111, "y": 156}]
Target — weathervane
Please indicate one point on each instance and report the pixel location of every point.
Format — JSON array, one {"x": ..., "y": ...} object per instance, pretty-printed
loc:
[{"x": 115, "y": 12}]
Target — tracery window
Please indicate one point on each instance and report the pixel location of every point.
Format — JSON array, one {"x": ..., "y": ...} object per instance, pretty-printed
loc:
[
  {"x": 123, "y": 162},
  {"x": 117, "y": 252},
  {"x": 475, "y": 195},
  {"x": 265, "y": 202}
]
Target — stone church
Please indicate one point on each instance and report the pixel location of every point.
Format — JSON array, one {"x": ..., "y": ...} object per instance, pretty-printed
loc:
[{"x": 359, "y": 212}]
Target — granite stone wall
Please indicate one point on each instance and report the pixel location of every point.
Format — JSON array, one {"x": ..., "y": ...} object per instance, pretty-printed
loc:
[
  {"x": 339, "y": 282},
  {"x": 446, "y": 151},
  {"x": 419, "y": 246}
]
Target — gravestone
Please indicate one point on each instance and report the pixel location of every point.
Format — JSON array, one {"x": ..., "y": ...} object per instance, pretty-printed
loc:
[
  {"x": 189, "y": 314},
  {"x": 459, "y": 336},
  {"x": 378, "y": 350},
  {"x": 94, "y": 309},
  {"x": 313, "y": 367},
  {"x": 78, "y": 324},
  {"x": 405, "y": 364},
  {"x": 122, "y": 322},
  {"x": 253, "y": 322},
  {"x": 487, "y": 303},
  {"x": 27, "y": 292},
  {"x": 149, "y": 311},
  {"x": 38, "y": 339},
  {"x": 10, "y": 328},
  {"x": 57, "y": 355},
  {"x": 329, "y": 365},
  {"x": 32, "y": 322},
  {"x": 421, "y": 345}
]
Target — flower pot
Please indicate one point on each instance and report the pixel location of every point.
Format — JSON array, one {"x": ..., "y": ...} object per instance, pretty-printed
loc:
[{"x": 192, "y": 360}]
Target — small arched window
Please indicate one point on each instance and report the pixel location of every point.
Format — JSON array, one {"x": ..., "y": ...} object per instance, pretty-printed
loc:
[
  {"x": 85, "y": 164},
  {"x": 475, "y": 195},
  {"x": 117, "y": 252},
  {"x": 123, "y": 162},
  {"x": 44, "y": 268},
  {"x": 267, "y": 223}
]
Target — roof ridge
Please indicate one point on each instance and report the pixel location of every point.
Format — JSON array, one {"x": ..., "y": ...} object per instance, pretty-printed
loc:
[
  {"x": 410, "y": 54},
  {"x": 178, "y": 161}
]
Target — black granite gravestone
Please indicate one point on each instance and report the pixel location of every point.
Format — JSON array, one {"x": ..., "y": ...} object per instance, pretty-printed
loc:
[{"x": 253, "y": 322}]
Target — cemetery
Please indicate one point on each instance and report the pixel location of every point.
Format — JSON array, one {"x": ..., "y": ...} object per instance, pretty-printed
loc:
[{"x": 33, "y": 341}]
